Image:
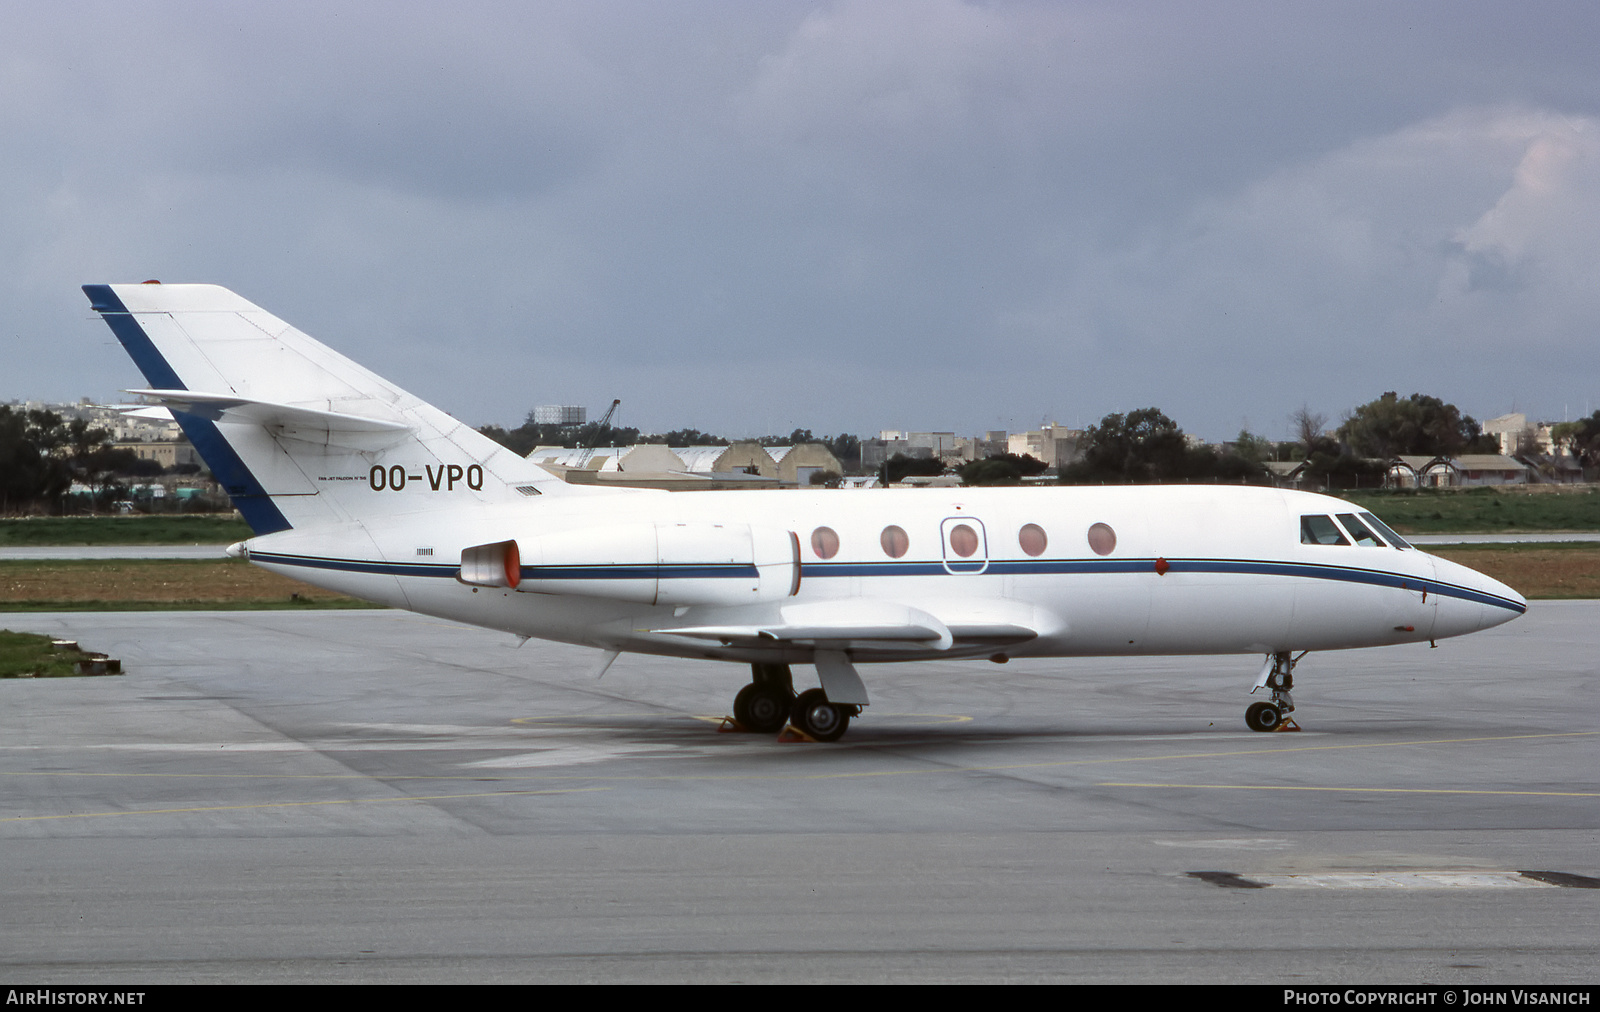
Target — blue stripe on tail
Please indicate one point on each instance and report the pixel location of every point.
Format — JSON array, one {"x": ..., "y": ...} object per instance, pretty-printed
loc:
[{"x": 244, "y": 491}]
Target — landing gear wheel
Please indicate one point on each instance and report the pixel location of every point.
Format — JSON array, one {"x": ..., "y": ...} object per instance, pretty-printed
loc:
[
  {"x": 761, "y": 708},
  {"x": 817, "y": 717},
  {"x": 1262, "y": 717}
]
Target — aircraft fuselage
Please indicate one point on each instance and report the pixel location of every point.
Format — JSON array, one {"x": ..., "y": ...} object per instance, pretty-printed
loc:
[{"x": 1184, "y": 570}]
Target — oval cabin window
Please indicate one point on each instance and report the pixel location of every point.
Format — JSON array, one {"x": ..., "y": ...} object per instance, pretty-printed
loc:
[
  {"x": 1032, "y": 539},
  {"x": 825, "y": 542},
  {"x": 1102, "y": 539},
  {"x": 963, "y": 540},
  {"x": 895, "y": 542}
]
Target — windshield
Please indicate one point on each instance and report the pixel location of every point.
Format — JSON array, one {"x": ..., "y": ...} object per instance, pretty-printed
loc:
[
  {"x": 1383, "y": 529},
  {"x": 1358, "y": 530}
]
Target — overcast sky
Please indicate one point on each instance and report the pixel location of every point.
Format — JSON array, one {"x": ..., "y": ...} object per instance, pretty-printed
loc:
[{"x": 848, "y": 216}]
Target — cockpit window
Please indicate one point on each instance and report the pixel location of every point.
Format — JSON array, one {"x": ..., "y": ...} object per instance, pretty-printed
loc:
[
  {"x": 1383, "y": 529},
  {"x": 1320, "y": 530},
  {"x": 1358, "y": 530}
]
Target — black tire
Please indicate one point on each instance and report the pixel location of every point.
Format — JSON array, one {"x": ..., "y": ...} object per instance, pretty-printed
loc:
[
  {"x": 761, "y": 708},
  {"x": 1262, "y": 717},
  {"x": 822, "y": 720}
]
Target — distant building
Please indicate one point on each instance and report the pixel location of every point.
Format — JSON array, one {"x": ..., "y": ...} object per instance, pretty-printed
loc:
[
  {"x": 945, "y": 446},
  {"x": 1054, "y": 444},
  {"x": 1489, "y": 469},
  {"x": 797, "y": 464},
  {"x": 167, "y": 453},
  {"x": 1509, "y": 430},
  {"x": 652, "y": 465},
  {"x": 560, "y": 414},
  {"x": 1408, "y": 470},
  {"x": 1469, "y": 469},
  {"x": 1290, "y": 473},
  {"x": 877, "y": 452},
  {"x": 1552, "y": 468},
  {"x": 1517, "y": 436}
]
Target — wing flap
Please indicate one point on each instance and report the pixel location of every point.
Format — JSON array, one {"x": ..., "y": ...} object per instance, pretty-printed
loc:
[
  {"x": 855, "y": 621},
  {"x": 794, "y": 633},
  {"x": 877, "y": 625}
]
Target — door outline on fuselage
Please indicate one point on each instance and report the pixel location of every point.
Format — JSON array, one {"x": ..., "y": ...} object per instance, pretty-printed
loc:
[{"x": 954, "y": 562}]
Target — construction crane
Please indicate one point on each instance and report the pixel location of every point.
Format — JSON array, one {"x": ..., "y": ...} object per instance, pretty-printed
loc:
[{"x": 588, "y": 451}]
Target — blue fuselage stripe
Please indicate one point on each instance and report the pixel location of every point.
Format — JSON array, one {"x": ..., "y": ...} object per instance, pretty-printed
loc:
[{"x": 1010, "y": 567}]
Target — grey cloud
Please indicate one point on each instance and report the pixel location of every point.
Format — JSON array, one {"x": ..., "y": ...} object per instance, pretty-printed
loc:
[{"x": 841, "y": 215}]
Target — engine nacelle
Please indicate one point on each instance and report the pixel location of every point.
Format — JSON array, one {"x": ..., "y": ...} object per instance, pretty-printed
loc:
[{"x": 649, "y": 563}]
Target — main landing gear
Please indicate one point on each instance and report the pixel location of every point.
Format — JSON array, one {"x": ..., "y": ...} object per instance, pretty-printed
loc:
[
  {"x": 820, "y": 719},
  {"x": 763, "y": 705},
  {"x": 1277, "y": 674},
  {"x": 769, "y": 702}
]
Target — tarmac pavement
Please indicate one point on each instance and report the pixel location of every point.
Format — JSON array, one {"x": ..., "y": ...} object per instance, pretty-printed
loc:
[{"x": 377, "y": 796}]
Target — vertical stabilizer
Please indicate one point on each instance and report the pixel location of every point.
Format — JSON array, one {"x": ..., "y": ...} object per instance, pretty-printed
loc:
[{"x": 296, "y": 433}]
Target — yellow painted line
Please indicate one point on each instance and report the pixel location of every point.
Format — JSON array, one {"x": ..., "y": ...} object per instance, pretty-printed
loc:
[
  {"x": 292, "y": 804},
  {"x": 1362, "y": 790},
  {"x": 637, "y": 715}
]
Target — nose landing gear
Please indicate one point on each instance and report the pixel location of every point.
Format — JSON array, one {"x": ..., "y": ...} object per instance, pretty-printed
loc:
[{"x": 1277, "y": 674}]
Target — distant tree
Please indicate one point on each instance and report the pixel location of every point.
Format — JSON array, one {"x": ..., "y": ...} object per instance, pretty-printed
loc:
[
  {"x": 1581, "y": 439},
  {"x": 1330, "y": 465},
  {"x": 1308, "y": 426},
  {"x": 1146, "y": 446},
  {"x": 897, "y": 467},
  {"x": 531, "y": 434},
  {"x": 827, "y": 479},
  {"x": 42, "y": 454},
  {"x": 794, "y": 438},
  {"x": 1254, "y": 448},
  {"x": 846, "y": 449},
  {"x": 141, "y": 467},
  {"x": 1419, "y": 424},
  {"x": 1142, "y": 446},
  {"x": 1000, "y": 469},
  {"x": 34, "y": 470},
  {"x": 688, "y": 437}
]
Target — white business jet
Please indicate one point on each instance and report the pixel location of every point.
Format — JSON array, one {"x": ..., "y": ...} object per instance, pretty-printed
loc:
[{"x": 353, "y": 484}]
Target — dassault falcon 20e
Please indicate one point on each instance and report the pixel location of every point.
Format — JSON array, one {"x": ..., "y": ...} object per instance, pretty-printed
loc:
[{"x": 353, "y": 484}]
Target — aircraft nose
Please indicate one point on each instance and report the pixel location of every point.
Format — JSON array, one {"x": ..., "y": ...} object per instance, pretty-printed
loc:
[{"x": 1472, "y": 601}]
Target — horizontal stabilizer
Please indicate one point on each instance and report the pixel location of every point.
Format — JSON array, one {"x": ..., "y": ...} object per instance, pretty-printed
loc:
[{"x": 315, "y": 425}]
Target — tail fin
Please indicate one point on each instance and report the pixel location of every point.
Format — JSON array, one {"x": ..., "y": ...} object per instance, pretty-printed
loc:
[{"x": 296, "y": 433}]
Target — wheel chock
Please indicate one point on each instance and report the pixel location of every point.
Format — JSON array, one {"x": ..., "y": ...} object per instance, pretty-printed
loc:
[
  {"x": 731, "y": 726},
  {"x": 1287, "y": 724},
  {"x": 791, "y": 735}
]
